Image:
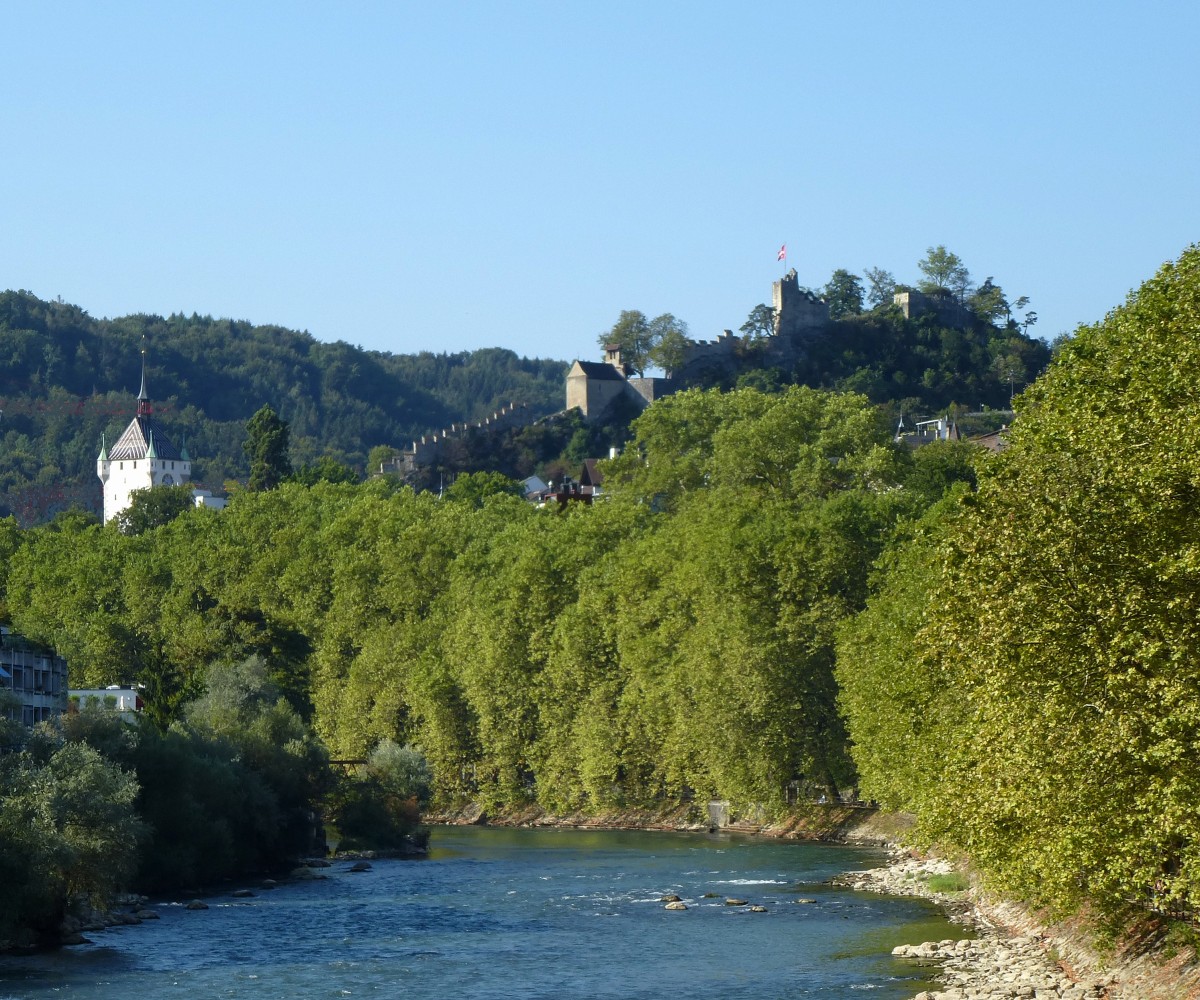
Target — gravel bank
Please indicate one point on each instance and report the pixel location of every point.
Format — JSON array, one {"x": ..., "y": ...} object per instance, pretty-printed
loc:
[{"x": 994, "y": 965}]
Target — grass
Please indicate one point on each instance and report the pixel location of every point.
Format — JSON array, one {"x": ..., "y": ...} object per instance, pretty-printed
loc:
[{"x": 950, "y": 882}]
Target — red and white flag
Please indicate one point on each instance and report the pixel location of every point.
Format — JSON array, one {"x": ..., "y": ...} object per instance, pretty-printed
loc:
[{"x": 782, "y": 255}]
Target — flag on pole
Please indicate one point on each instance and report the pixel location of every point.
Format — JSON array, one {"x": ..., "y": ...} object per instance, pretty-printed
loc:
[{"x": 782, "y": 255}]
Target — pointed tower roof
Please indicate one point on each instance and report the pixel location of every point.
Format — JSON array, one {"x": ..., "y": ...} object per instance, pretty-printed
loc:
[
  {"x": 145, "y": 437},
  {"x": 143, "y": 396},
  {"x": 103, "y": 456}
]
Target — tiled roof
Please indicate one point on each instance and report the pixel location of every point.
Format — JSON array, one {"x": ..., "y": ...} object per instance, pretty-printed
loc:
[
  {"x": 135, "y": 442},
  {"x": 600, "y": 370}
]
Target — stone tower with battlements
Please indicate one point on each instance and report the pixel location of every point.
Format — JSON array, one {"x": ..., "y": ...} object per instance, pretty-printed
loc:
[{"x": 799, "y": 313}]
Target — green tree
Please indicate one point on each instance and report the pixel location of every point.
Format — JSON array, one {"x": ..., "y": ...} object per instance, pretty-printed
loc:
[
  {"x": 759, "y": 324},
  {"x": 1010, "y": 369},
  {"x": 475, "y": 487},
  {"x": 379, "y": 457},
  {"x": 644, "y": 342},
  {"x": 267, "y": 447},
  {"x": 324, "y": 469},
  {"x": 402, "y": 771},
  {"x": 944, "y": 272},
  {"x": 154, "y": 506},
  {"x": 632, "y": 334},
  {"x": 844, "y": 293},
  {"x": 1059, "y": 628},
  {"x": 988, "y": 301},
  {"x": 881, "y": 286},
  {"x": 68, "y": 829},
  {"x": 380, "y": 806},
  {"x": 668, "y": 342}
]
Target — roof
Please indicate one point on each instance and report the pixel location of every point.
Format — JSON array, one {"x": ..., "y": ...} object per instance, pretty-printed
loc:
[
  {"x": 600, "y": 370},
  {"x": 135, "y": 442},
  {"x": 592, "y": 476}
]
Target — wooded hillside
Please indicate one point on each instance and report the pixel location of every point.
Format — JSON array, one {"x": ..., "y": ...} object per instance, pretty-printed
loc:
[{"x": 66, "y": 377}]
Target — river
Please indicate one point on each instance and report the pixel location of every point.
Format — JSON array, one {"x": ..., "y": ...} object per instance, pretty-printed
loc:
[{"x": 502, "y": 913}]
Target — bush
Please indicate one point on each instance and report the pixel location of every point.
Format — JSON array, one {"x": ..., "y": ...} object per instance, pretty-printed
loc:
[
  {"x": 380, "y": 807},
  {"x": 401, "y": 771},
  {"x": 68, "y": 830}
]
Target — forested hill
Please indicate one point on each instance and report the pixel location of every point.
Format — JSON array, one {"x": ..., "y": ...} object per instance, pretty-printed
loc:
[{"x": 65, "y": 377}]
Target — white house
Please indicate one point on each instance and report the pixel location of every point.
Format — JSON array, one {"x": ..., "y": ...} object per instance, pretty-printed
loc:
[{"x": 126, "y": 702}]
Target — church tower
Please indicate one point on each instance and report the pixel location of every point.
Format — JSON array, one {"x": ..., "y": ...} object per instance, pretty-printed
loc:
[{"x": 143, "y": 456}]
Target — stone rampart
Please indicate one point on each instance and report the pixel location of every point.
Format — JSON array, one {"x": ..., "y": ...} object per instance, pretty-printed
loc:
[{"x": 428, "y": 448}]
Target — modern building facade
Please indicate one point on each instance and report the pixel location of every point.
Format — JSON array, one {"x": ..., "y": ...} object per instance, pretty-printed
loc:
[{"x": 35, "y": 675}]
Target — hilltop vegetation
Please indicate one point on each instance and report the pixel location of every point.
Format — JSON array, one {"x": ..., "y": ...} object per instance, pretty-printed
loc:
[{"x": 66, "y": 377}]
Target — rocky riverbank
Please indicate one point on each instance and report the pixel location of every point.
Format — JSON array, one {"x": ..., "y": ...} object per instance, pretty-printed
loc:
[
  {"x": 842, "y": 823},
  {"x": 1011, "y": 956},
  {"x": 994, "y": 964}
]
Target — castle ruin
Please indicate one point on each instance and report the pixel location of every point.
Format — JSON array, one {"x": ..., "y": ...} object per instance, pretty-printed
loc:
[{"x": 800, "y": 316}]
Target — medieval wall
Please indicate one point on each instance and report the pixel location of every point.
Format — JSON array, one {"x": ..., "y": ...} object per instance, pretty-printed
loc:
[
  {"x": 799, "y": 314},
  {"x": 429, "y": 447},
  {"x": 949, "y": 311}
]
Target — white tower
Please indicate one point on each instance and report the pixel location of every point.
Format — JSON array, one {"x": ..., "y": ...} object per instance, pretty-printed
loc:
[{"x": 142, "y": 457}]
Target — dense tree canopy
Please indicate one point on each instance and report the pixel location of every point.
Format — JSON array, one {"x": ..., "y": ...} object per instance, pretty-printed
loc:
[
  {"x": 1036, "y": 644},
  {"x": 742, "y": 521},
  {"x": 775, "y": 599}
]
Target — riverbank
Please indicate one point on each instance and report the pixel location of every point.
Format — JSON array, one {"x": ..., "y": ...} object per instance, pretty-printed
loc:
[
  {"x": 1014, "y": 953},
  {"x": 839, "y": 823}
]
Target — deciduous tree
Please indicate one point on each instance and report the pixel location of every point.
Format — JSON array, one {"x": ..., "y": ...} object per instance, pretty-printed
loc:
[{"x": 944, "y": 272}]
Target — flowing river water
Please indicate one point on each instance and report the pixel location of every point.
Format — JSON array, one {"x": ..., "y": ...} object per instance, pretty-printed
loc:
[{"x": 499, "y": 913}]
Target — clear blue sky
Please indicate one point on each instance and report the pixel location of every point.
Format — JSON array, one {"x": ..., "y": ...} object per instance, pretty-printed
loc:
[{"x": 448, "y": 175}]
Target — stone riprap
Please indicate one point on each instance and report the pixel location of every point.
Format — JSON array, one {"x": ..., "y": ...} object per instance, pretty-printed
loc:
[
  {"x": 994, "y": 965},
  {"x": 994, "y": 968}
]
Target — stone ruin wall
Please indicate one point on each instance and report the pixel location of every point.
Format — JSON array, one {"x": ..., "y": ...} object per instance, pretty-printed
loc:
[
  {"x": 711, "y": 353},
  {"x": 949, "y": 311},
  {"x": 429, "y": 447},
  {"x": 798, "y": 312}
]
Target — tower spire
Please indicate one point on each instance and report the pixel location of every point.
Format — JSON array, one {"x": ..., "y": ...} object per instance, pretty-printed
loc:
[{"x": 143, "y": 409}]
